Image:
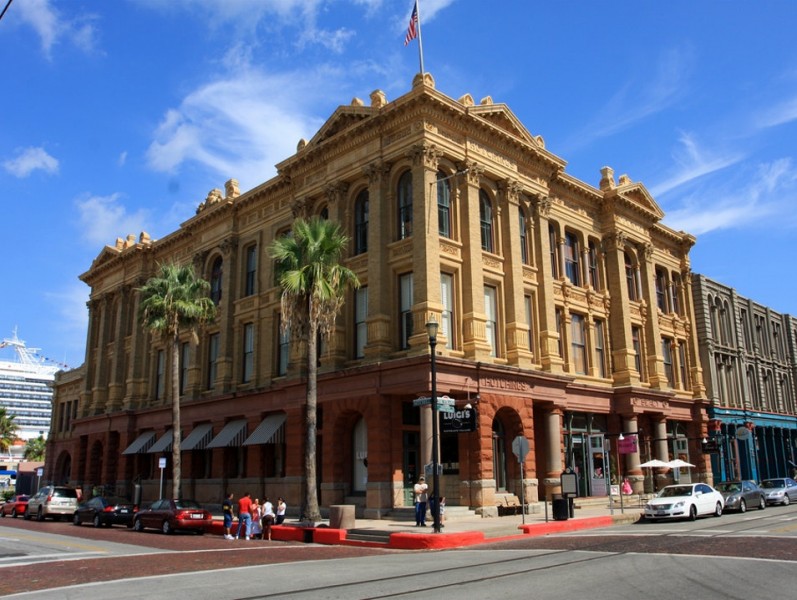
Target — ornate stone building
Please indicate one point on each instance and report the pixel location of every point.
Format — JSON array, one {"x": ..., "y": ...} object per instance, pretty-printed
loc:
[
  {"x": 749, "y": 353},
  {"x": 565, "y": 317}
]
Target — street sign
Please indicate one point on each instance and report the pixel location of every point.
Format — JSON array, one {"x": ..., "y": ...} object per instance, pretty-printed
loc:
[
  {"x": 428, "y": 469},
  {"x": 445, "y": 408},
  {"x": 444, "y": 403},
  {"x": 520, "y": 448},
  {"x": 423, "y": 401}
]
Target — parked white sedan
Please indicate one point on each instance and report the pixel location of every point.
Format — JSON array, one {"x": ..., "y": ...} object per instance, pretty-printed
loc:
[{"x": 685, "y": 501}]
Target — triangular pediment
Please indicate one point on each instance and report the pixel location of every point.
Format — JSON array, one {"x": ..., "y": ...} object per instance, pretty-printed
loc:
[
  {"x": 637, "y": 194},
  {"x": 503, "y": 118},
  {"x": 106, "y": 254},
  {"x": 343, "y": 118}
]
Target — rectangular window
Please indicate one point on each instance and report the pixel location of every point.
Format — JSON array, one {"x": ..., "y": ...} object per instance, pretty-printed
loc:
[
  {"x": 559, "y": 347},
  {"x": 600, "y": 348},
  {"x": 360, "y": 316},
  {"x": 675, "y": 290},
  {"x": 443, "y": 206},
  {"x": 249, "y": 353},
  {"x": 160, "y": 376},
  {"x": 213, "y": 356},
  {"x": 491, "y": 312},
  {"x": 524, "y": 242},
  {"x": 682, "y": 365},
  {"x": 527, "y": 306},
  {"x": 405, "y": 309},
  {"x": 572, "y": 260},
  {"x": 283, "y": 348},
  {"x": 636, "y": 340},
  {"x": 184, "y": 364},
  {"x": 553, "y": 251},
  {"x": 666, "y": 352},
  {"x": 578, "y": 344},
  {"x": 251, "y": 270},
  {"x": 447, "y": 317},
  {"x": 594, "y": 275},
  {"x": 661, "y": 290}
]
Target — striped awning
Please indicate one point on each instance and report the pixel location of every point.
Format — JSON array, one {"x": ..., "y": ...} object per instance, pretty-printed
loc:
[
  {"x": 233, "y": 434},
  {"x": 141, "y": 444},
  {"x": 164, "y": 444},
  {"x": 199, "y": 438},
  {"x": 270, "y": 431}
]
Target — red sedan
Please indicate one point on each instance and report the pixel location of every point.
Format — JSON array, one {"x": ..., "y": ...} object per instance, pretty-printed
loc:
[
  {"x": 15, "y": 506},
  {"x": 172, "y": 515}
]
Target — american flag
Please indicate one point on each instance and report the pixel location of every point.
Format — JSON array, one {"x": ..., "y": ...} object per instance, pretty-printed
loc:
[{"x": 412, "y": 30}]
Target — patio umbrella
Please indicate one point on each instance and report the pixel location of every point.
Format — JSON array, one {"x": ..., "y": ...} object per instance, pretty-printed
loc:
[
  {"x": 655, "y": 463},
  {"x": 678, "y": 463}
]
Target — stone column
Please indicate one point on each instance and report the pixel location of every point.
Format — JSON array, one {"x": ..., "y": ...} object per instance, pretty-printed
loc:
[
  {"x": 549, "y": 336},
  {"x": 624, "y": 370},
  {"x": 655, "y": 359},
  {"x": 632, "y": 462},
  {"x": 553, "y": 443}
]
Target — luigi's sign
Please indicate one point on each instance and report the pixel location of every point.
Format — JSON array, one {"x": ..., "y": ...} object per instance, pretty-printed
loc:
[{"x": 462, "y": 420}]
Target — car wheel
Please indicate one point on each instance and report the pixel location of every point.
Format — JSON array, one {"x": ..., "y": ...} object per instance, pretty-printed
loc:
[
  {"x": 742, "y": 506},
  {"x": 693, "y": 513},
  {"x": 2, "y": 513},
  {"x": 40, "y": 514},
  {"x": 97, "y": 522},
  {"x": 26, "y": 514},
  {"x": 200, "y": 532},
  {"x": 13, "y": 513},
  {"x": 786, "y": 500},
  {"x": 718, "y": 509},
  {"x": 76, "y": 519},
  {"x": 137, "y": 525},
  {"x": 166, "y": 527},
  {"x": 762, "y": 503}
]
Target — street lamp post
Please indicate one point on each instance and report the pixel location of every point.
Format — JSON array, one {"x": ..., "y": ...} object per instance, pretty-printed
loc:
[{"x": 431, "y": 330}]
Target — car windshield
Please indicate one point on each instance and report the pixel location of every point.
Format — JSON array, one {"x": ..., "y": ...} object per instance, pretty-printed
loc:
[
  {"x": 728, "y": 487},
  {"x": 773, "y": 483},
  {"x": 185, "y": 504},
  {"x": 676, "y": 490},
  {"x": 64, "y": 493}
]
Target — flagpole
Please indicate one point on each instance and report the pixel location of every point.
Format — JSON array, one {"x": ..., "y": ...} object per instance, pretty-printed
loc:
[{"x": 420, "y": 39}]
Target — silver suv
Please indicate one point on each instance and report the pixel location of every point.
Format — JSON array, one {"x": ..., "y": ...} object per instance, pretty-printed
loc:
[{"x": 54, "y": 501}]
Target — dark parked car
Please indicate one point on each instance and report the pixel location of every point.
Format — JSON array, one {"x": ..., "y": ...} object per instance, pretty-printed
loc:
[
  {"x": 782, "y": 490},
  {"x": 106, "y": 511},
  {"x": 172, "y": 515},
  {"x": 741, "y": 495},
  {"x": 15, "y": 506}
]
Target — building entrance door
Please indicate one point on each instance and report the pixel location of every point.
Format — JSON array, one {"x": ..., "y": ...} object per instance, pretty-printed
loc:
[
  {"x": 598, "y": 465},
  {"x": 360, "y": 457},
  {"x": 411, "y": 465}
]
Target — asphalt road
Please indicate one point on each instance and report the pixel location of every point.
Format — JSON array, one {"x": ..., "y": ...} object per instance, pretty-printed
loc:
[{"x": 736, "y": 556}]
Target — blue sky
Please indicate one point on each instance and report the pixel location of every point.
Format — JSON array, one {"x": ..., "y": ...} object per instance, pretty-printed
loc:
[{"x": 118, "y": 116}]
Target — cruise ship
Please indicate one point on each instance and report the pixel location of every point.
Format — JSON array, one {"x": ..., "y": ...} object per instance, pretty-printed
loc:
[{"x": 26, "y": 389}]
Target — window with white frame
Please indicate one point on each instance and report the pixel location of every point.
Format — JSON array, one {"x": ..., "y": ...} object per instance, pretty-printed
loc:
[
  {"x": 572, "y": 258},
  {"x": 248, "y": 367},
  {"x": 600, "y": 347},
  {"x": 405, "y": 205},
  {"x": 486, "y": 221},
  {"x": 593, "y": 270},
  {"x": 443, "y": 205},
  {"x": 491, "y": 312},
  {"x": 447, "y": 316},
  {"x": 578, "y": 344},
  {"x": 630, "y": 277},
  {"x": 250, "y": 280},
  {"x": 553, "y": 244},
  {"x": 405, "y": 310},
  {"x": 360, "y": 316},
  {"x": 524, "y": 239},
  {"x": 666, "y": 351},
  {"x": 527, "y": 306},
  {"x": 636, "y": 341},
  {"x": 682, "y": 365}
]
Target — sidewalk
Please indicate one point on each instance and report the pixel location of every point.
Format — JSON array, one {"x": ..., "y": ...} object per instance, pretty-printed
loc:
[{"x": 457, "y": 532}]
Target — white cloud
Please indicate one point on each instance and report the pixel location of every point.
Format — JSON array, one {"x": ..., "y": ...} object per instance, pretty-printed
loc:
[
  {"x": 52, "y": 26},
  {"x": 29, "y": 160},
  {"x": 740, "y": 201},
  {"x": 105, "y": 218},
  {"x": 693, "y": 162},
  {"x": 783, "y": 113},
  {"x": 242, "y": 126}
]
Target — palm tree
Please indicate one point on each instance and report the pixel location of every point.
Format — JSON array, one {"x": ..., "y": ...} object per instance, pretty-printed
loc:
[
  {"x": 173, "y": 301},
  {"x": 8, "y": 430},
  {"x": 313, "y": 286},
  {"x": 34, "y": 449}
]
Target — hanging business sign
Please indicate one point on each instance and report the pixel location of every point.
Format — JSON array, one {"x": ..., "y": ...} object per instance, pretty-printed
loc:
[
  {"x": 461, "y": 420},
  {"x": 628, "y": 445}
]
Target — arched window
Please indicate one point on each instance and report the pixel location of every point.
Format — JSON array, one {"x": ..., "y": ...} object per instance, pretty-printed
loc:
[
  {"x": 486, "y": 220},
  {"x": 215, "y": 280},
  {"x": 361, "y": 223},
  {"x": 405, "y": 206},
  {"x": 443, "y": 205}
]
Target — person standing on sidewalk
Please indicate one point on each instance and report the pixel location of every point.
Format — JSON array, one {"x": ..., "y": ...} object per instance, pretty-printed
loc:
[
  {"x": 245, "y": 516},
  {"x": 268, "y": 519},
  {"x": 281, "y": 508},
  {"x": 226, "y": 510},
  {"x": 421, "y": 498}
]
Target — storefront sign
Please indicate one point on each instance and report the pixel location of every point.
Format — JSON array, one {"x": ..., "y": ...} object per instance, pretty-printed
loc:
[
  {"x": 462, "y": 420},
  {"x": 628, "y": 445}
]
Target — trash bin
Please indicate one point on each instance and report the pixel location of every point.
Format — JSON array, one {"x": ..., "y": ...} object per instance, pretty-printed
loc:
[
  {"x": 341, "y": 516},
  {"x": 560, "y": 508}
]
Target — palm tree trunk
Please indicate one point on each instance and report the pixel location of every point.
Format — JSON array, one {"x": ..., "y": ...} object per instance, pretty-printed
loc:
[
  {"x": 312, "y": 512},
  {"x": 176, "y": 468}
]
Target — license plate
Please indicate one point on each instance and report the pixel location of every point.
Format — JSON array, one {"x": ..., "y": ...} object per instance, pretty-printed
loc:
[
  {"x": 660, "y": 513},
  {"x": 197, "y": 516},
  {"x": 123, "y": 511}
]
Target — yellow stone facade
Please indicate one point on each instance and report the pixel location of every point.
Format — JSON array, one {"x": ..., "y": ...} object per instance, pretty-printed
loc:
[{"x": 565, "y": 309}]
